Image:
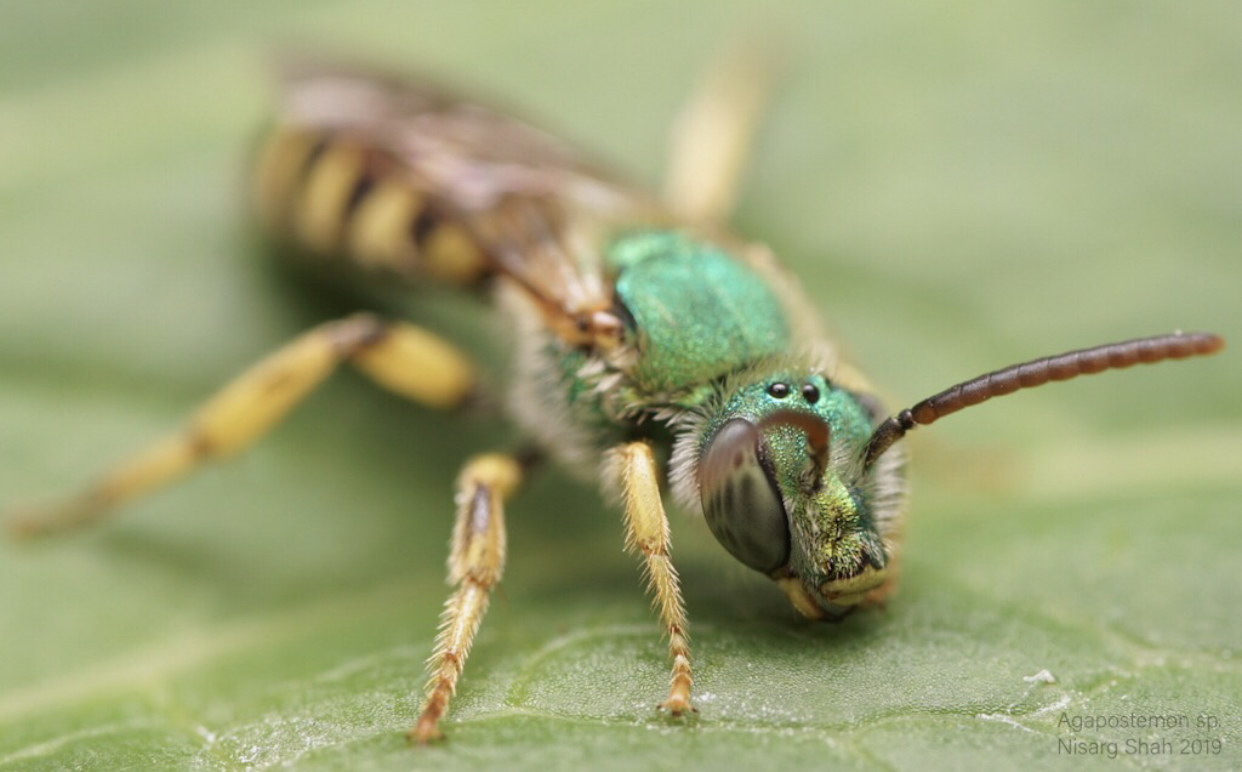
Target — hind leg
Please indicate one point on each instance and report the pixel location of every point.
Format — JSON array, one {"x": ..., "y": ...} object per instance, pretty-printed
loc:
[{"x": 400, "y": 357}]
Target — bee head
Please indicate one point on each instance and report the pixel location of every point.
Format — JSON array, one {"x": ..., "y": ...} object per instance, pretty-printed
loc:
[
  {"x": 798, "y": 480},
  {"x": 783, "y": 490}
]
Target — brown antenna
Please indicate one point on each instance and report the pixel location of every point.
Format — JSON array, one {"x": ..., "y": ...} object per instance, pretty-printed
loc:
[{"x": 1037, "y": 372}]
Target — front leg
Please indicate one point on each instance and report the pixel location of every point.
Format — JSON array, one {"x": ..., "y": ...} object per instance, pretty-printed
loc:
[
  {"x": 476, "y": 561},
  {"x": 646, "y": 525}
]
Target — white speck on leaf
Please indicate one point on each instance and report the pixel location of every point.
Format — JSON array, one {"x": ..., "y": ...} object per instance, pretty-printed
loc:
[{"x": 1001, "y": 717}]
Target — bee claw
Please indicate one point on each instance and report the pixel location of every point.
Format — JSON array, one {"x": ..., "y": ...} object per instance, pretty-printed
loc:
[
  {"x": 424, "y": 734},
  {"x": 677, "y": 707},
  {"x": 28, "y": 523}
]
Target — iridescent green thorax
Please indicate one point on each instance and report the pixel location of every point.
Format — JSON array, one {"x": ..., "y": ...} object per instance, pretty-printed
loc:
[{"x": 698, "y": 312}]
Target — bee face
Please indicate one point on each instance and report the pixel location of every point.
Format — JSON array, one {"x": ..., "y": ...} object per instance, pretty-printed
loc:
[{"x": 783, "y": 491}]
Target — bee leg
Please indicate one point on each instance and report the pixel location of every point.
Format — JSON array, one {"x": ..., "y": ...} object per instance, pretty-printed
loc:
[
  {"x": 402, "y": 358},
  {"x": 647, "y": 533},
  {"x": 878, "y": 597},
  {"x": 476, "y": 561},
  {"x": 713, "y": 134}
]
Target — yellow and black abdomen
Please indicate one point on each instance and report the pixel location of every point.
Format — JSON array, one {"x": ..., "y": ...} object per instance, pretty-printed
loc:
[
  {"x": 405, "y": 181},
  {"x": 335, "y": 195}
]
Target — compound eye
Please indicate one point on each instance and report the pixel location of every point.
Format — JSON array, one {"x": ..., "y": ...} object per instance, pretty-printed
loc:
[{"x": 740, "y": 500}]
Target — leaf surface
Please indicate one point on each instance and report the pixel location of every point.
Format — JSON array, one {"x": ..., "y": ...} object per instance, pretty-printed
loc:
[{"x": 959, "y": 188}]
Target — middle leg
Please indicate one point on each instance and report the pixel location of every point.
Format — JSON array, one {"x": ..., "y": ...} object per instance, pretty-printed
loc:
[{"x": 714, "y": 132}]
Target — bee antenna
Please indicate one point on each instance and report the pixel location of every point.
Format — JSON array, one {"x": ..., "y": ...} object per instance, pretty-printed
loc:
[
  {"x": 816, "y": 430},
  {"x": 1037, "y": 372}
]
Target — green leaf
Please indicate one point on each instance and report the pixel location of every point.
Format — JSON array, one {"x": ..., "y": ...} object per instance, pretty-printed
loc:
[{"x": 958, "y": 187}]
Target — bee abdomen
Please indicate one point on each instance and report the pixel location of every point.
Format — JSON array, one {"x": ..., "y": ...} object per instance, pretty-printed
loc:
[{"x": 336, "y": 197}]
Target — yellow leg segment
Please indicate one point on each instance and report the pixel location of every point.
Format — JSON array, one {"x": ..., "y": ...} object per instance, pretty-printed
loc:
[
  {"x": 476, "y": 561},
  {"x": 714, "y": 132},
  {"x": 647, "y": 533},
  {"x": 402, "y": 358}
]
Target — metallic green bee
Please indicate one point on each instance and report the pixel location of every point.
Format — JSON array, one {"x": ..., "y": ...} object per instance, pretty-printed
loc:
[{"x": 650, "y": 346}]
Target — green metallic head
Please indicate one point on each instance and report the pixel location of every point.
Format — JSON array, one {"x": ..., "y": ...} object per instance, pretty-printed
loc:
[
  {"x": 783, "y": 488},
  {"x": 799, "y": 480}
]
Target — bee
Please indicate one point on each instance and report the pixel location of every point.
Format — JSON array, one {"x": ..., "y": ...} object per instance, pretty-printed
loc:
[{"x": 652, "y": 349}]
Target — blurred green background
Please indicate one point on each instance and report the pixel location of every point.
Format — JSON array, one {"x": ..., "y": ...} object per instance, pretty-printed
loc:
[{"x": 960, "y": 186}]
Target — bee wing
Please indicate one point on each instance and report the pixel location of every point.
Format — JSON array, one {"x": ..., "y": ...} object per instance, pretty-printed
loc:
[{"x": 537, "y": 210}]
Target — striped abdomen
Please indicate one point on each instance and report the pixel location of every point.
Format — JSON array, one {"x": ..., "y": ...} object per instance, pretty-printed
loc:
[{"x": 333, "y": 195}]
